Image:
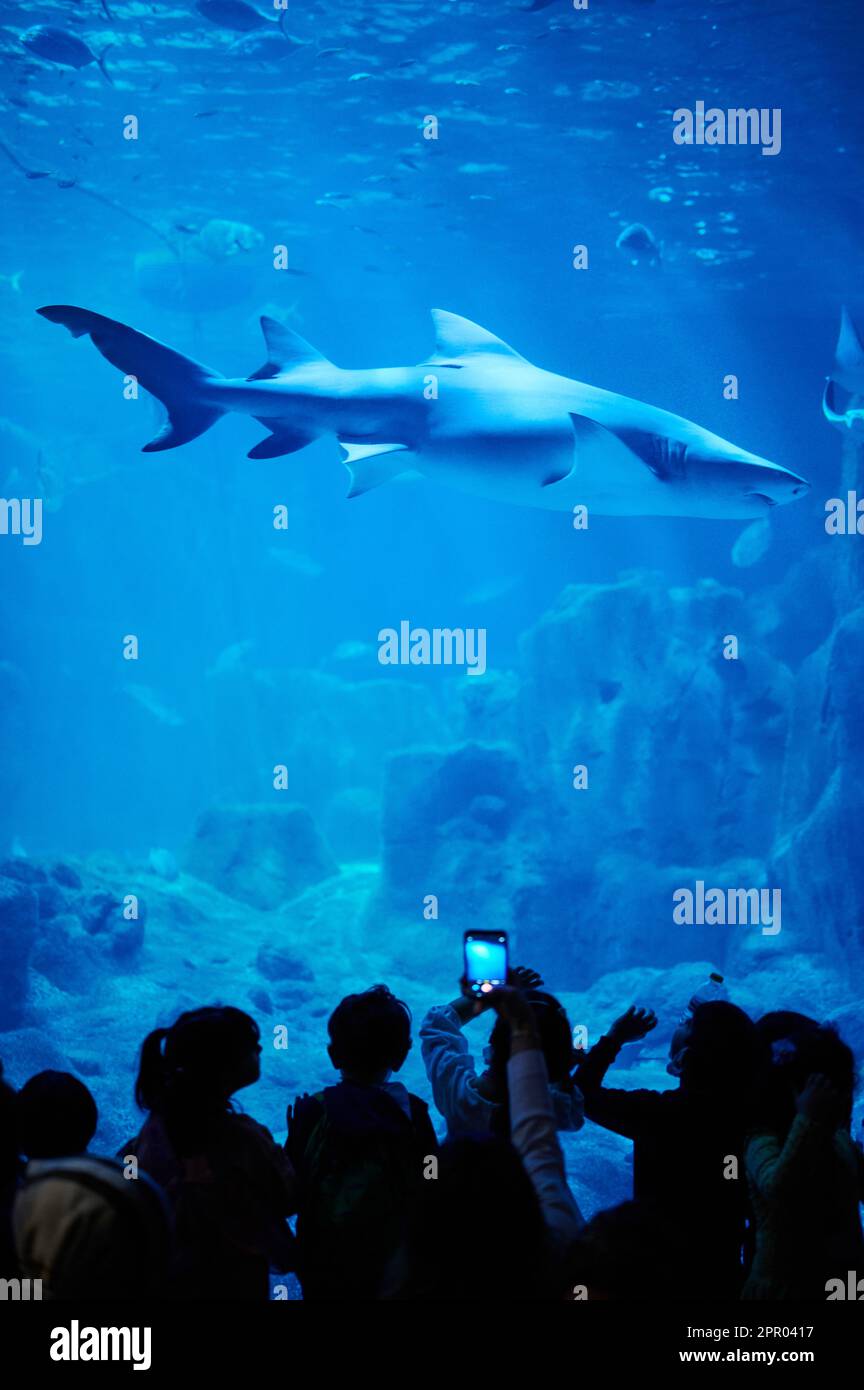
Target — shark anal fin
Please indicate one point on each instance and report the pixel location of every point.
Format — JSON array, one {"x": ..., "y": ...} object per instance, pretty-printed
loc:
[
  {"x": 279, "y": 441},
  {"x": 370, "y": 465}
]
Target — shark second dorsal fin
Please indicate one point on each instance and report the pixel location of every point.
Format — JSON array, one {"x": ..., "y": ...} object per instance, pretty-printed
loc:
[
  {"x": 457, "y": 337},
  {"x": 285, "y": 351}
]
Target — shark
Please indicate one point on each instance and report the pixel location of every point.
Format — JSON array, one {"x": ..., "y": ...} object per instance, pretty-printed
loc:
[
  {"x": 848, "y": 373},
  {"x": 475, "y": 415}
]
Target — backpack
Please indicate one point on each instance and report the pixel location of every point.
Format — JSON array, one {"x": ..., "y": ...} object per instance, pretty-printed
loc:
[
  {"x": 359, "y": 1161},
  {"x": 87, "y": 1231}
]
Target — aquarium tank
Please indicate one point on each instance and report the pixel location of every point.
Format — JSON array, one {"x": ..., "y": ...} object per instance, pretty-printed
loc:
[{"x": 432, "y": 463}]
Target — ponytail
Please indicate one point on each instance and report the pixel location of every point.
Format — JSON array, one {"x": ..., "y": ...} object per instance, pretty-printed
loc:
[{"x": 152, "y": 1071}]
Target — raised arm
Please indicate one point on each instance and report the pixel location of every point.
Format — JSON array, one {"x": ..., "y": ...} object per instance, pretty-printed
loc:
[{"x": 532, "y": 1120}]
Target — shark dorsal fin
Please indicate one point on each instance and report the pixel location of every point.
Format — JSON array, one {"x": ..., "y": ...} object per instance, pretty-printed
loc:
[
  {"x": 285, "y": 350},
  {"x": 457, "y": 337}
]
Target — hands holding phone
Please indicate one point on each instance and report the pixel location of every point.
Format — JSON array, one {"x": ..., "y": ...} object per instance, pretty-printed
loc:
[
  {"x": 472, "y": 1003},
  {"x": 509, "y": 1003}
]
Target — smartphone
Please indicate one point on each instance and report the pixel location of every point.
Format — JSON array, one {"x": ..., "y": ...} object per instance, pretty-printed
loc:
[{"x": 485, "y": 960}]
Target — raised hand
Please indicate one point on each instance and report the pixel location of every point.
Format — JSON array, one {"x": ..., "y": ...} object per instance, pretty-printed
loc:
[
  {"x": 819, "y": 1100},
  {"x": 523, "y": 977},
  {"x": 633, "y": 1025}
]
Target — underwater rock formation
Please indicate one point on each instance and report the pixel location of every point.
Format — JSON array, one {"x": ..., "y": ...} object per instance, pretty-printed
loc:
[
  {"x": 261, "y": 855},
  {"x": 629, "y": 680},
  {"x": 66, "y": 925},
  {"x": 818, "y": 858},
  {"x": 99, "y": 903},
  {"x": 449, "y": 829},
  {"x": 19, "y": 912},
  {"x": 459, "y": 809}
]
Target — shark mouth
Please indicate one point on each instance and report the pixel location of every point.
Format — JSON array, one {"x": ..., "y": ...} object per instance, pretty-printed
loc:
[{"x": 761, "y": 497}]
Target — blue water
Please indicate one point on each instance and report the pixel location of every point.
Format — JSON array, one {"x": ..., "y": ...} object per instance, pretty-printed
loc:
[{"x": 259, "y": 648}]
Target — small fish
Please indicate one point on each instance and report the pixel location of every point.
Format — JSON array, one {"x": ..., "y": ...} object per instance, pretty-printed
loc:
[
  {"x": 638, "y": 243},
  {"x": 13, "y": 281},
  {"x": 65, "y": 49},
  {"x": 752, "y": 544},
  {"x": 353, "y": 650},
  {"x": 492, "y": 592},
  {"x": 148, "y": 700},
  {"x": 270, "y": 44},
  {"x": 202, "y": 115},
  {"x": 296, "y": 562},
  {"x": 221, "y": 237},
  {"x": 231, "y": 14},
  {"x": 230, "y": 658},
  {"x": 164, "y": 864}
]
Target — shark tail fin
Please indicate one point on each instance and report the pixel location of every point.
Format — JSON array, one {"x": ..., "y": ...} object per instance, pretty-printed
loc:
[{"x": 173, "y": 379}]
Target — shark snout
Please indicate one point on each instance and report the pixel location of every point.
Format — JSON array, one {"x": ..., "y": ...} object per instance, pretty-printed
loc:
[
  {"x": 759, "y": 485},
  {"x": 775, "y": 486}
]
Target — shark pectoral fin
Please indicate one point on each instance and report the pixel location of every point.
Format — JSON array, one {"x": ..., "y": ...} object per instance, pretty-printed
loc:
[
  {"x": 588, "y": 431},
  {"x": 586, "y": 434},
  {"x": 370, "y": 465},
  {"x": 278, "y": 442},
  {"x": 665, "y": 458}
]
